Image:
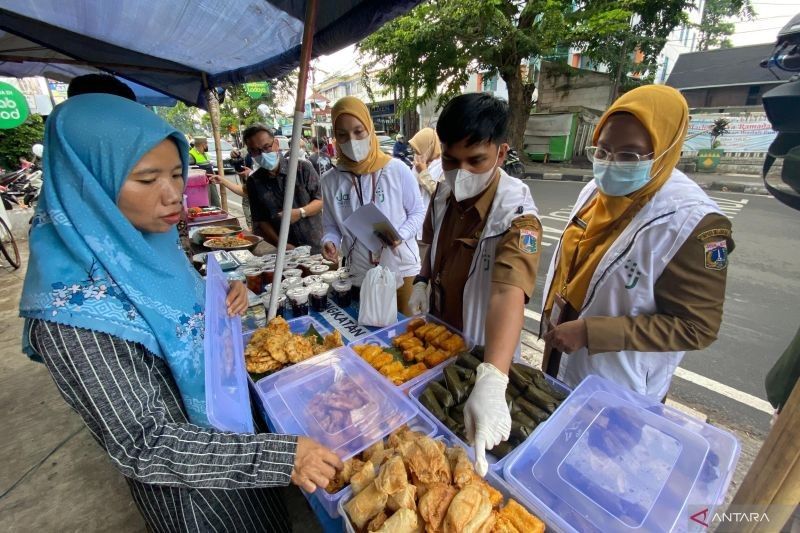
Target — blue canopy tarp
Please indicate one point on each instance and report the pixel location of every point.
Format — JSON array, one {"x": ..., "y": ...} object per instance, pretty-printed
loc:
[{"x": 170, "y": 45}]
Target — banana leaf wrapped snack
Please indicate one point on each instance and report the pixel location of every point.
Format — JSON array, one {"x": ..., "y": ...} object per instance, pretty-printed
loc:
[{"x": 531, "y": 398}]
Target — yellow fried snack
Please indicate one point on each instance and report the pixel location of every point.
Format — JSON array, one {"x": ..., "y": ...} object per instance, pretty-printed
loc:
[
  {"x": 381, "y": 360},
  {"x": 454, "y": 344},
  {"x": 410, "y": 354},
  {"x": 434, "y": 332},
  {"x": 403, "y": 337},
  {"x": 413, "y": 371},
  {"x": 441, "y": 338},
  {"x": 415, "y": 323},
  {"x": 410, "y": 343},
  {"x": 422, "y": 330},
  {"x": 298, "y": 349},
  {"x": 371, "y": 352},
  {"x": 359, "y": 349},
  {"x": 420, "y": 356},
  {"x": 520, "y": 518},
  {"x": 438, "y": 356},
  {"x": 392, "y": 368}
]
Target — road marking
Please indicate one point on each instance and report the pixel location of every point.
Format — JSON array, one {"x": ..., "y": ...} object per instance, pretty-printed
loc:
[
  {"x": 724, "y": 390},
  {"x": 730, "y": 208},
  {"x": 534, "y": 355}
]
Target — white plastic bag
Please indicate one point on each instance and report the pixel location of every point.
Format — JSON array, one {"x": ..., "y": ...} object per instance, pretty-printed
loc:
[{"x": 378, "y": 306}]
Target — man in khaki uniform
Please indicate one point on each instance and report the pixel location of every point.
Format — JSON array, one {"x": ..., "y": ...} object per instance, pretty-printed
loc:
[{"x": 480, "y": 268}]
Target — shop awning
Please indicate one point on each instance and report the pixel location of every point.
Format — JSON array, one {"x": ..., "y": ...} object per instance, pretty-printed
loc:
[{"x": 171, "y": 45}]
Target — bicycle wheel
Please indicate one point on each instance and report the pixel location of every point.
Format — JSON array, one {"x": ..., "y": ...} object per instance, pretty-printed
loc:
[{"x": 8, "y": 245}]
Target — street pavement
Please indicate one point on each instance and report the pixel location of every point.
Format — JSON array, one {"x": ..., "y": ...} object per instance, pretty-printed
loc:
[{"x": 726, "y": 380}]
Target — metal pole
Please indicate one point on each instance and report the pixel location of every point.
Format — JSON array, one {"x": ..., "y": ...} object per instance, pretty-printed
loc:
[
  {"x": 213, "y": 110},
  {"x": 299, "y": 111}
]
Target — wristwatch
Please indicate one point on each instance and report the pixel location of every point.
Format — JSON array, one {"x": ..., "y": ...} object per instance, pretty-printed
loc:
[{"x": 302, "y": 212}]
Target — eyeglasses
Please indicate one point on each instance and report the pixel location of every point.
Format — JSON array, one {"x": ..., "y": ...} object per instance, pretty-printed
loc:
[{"x": 601, "y": 154}]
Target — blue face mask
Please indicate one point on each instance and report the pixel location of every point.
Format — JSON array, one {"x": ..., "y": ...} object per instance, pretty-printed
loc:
[
  {"x": 621, "y": 179},
  {"x": 268, "y": 160}
]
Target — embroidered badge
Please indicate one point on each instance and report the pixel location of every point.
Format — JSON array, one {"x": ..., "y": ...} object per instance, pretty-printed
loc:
[
  {"x": 528, "y": 240},
  {"x": 716, "y": 255},
  {"x": 716, "y": 232}
]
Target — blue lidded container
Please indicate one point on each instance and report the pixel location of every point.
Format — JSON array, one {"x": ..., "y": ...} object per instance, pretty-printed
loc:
[
  {"x": 227, "y": 394},
  {"x": 613, "y": 460}
]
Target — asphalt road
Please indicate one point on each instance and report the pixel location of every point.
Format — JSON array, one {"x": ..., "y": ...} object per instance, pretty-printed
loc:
[{"x": 762, "y": 308}]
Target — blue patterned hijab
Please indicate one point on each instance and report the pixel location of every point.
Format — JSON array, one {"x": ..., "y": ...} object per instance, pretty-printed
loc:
[{"x": 89, "y": 266}]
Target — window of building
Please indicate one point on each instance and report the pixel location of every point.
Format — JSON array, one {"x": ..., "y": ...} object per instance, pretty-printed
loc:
[
  {"x": 490, "y": 83},
  {"x": 665, "y": 70},
  {"x": 753, "y": 93}
]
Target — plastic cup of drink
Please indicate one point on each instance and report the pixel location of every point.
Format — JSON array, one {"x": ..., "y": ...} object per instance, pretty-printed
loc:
[
  {"x": 255, "y": 282},
  {"x": 342, "y": 292},
  {"x": 311, "y": 280},
  {"x": 268, "y": 273},
  {"x": 319, "y": 269},
  {"x": 319, "y": 297},
  {"x": 291, "y": 283},
  {"x": 298, "y": 297},
  {"x": 302, "y": 251},
  {"x": 330, "y": 276},
  {"x": 292, "y": 273}
]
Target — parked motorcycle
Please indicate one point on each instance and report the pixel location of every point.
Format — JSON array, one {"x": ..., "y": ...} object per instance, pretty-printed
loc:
[{"x": 513, "y": 164}]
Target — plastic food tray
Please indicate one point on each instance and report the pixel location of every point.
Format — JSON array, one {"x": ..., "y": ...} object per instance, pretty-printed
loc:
[
  {"x": 613, "y": 460},
  {"x": 491, "y": 477},
  {"x": 227, "y": 392},
  {"x": 330, "y": 502},
  {"x": 437, "y": 374},
  {"x": 290, "y": 399},
  {"x": 383, "y": 338}
]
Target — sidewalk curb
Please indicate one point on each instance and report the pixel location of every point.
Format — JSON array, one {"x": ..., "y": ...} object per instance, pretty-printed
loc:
[{"x": 721, "y": 186}]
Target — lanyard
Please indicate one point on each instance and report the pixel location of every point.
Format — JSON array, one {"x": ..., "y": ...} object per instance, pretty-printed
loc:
[{"x": 360, "y": 189}]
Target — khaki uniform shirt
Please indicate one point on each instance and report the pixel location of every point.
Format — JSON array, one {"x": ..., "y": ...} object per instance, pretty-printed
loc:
[
  {"x": 461, "y": 228},
  {"x": 689, "y": 296}
]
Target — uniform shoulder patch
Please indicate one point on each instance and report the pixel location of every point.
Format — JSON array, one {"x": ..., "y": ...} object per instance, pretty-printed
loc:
[
  {"x": 716, "y": 256},
  {"x": 716, "y": 232},
  {"x": 529, "y": 240}
]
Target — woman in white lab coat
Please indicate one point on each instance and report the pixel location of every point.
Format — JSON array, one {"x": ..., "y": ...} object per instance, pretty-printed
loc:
[{"x": 363, "y": 174}]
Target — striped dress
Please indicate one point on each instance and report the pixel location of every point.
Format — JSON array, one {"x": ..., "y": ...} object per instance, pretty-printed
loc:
[{"x": 182, "y": 477}]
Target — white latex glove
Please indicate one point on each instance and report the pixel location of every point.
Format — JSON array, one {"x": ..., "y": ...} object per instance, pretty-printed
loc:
[
  {"x": 419, "y": 301},
  {"x": 486, "y": 417}
]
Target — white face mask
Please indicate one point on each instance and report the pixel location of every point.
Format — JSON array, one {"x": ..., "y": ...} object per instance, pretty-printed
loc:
[
  {"x": 356, "y": 149},
  {"x": 466, "y": 184}
]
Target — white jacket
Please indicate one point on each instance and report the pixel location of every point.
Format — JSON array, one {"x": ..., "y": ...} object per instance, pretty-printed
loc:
[
  {"x": 436, "y": 174},
  {"x": 512, "y": 200},
  {"x": 642, "y": 250},
  {"x": 396, "y": 195}
]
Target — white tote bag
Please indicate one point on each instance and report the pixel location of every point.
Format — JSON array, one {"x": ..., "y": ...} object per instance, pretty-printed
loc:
[{"x": 378, "y": 306}]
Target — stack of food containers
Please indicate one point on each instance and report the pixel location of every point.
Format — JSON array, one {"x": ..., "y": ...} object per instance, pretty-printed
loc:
[
  {"x": 613, "y": 460},
  {"x": 337, "y": 400}
]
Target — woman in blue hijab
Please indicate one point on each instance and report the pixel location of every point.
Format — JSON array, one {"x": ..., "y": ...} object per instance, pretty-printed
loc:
[{"x": 115, "y": 311}]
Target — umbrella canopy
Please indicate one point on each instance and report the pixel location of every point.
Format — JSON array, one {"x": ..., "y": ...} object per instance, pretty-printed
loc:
[{"x": 171, "y": 45}]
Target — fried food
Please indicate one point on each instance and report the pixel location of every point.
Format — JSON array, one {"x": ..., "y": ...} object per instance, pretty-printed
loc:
[
  {"x": 400, "y": 435},
  {"x": 420, "y": 331},
  {"x": 397, "y": 341},
  {"x": 366, "y": 505},
  {"x": 441, "y": 338},
  {"x": 413, "y": 371},
  {"x": 335, "y": 408},
  {"x": 363, "y": 478},
  {"x": 392, "y": 369},
  {"x": 412, "y": 342},
  {"x": 342, "y": 478},
  {"x": 403, "y": 499},
  {"x": 468, "y": 511},
  {"x": 425, "y": 460},
  {"x": 377, "y": 522},
  {"x": 392, "y": 477},
  {"x": 453, "y": 345},
  {"x": 415, "y": 323},
  {"x": 434, "y": 332},
  {"x": 382, "y": 360},
  {"x": 372, "y": 450},
  {"x": 274, "y": 346},
  {"x": 410, "y": 354},
  {"x": 433, "y": 505},
  {"x": 461, "y": 466},
  {"x": 520, "y": 518},
  {"x": 403, "y": 521},
  {"x": 436, "y": 357}
]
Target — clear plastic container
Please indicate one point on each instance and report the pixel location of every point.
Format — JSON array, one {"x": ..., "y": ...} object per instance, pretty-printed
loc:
[
  {"x": 330, "y": 502},
  {"x": 227, "y": 394},
  {"x": 300, "y": 399},
  {"x": 383, "y": 337},
  {"x": 438, "y": 375},
  {"x": 613, "y": 460},
  {"x": 492, "y": 478}
]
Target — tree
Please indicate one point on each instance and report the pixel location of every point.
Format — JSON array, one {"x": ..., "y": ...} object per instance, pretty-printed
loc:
[
  {"x": 17, "y": 142},
  {"x": 181, "y": 117},
  {"x": 716, "y": 26},
  {"x": 431, "y": 51}
]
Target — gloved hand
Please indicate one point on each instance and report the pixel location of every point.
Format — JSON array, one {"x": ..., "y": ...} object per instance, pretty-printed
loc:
[
  {"x": 486, "y": 417},
  {"x": 419, "y": 301}
]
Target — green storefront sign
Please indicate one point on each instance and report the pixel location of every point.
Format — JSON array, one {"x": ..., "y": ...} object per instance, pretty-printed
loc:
[
  {"x": 13, "y": 107},
  {"x": 256, "y": 89}
]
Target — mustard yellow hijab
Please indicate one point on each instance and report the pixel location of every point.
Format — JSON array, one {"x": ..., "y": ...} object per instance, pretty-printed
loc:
[
  {"x": 426, "y": 144},
  {"x": 663, "y": 112},
  {"x": 376, "y": 160}
]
